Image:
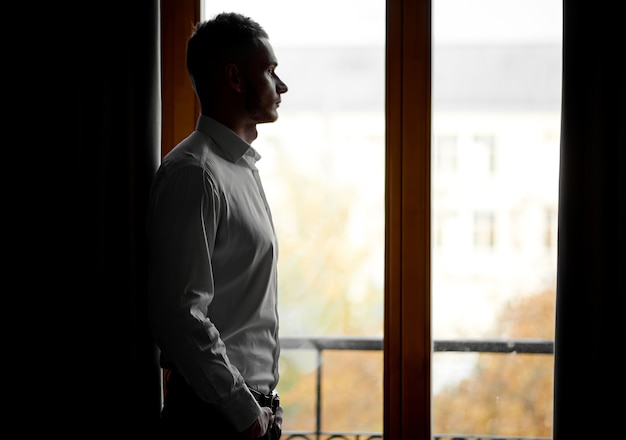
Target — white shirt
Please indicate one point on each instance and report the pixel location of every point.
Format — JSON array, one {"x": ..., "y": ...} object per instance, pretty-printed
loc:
[{"x": 213, "y": 278}]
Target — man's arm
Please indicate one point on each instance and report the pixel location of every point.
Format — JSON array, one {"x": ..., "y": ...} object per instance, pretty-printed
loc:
[{"x": 183, "y": 224}]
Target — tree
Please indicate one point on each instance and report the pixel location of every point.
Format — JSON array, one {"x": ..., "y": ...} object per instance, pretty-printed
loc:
[{"x": 507, "y": 394}]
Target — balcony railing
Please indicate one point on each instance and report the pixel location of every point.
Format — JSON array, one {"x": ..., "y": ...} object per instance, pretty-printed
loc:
[{"x": 322, "y": 343}]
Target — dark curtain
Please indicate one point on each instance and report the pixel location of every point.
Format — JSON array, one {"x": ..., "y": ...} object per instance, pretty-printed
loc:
[
  {"x": 109, "y": 112},
  {"x": 591, "y": 276}
]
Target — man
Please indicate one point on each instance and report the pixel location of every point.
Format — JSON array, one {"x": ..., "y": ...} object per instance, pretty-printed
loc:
[{"x": 213, "y": 250}]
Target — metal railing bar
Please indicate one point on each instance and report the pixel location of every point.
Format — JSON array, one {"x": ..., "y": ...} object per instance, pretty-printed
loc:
[
  {"x": 526, "y": 346},
  {"x": 331, "y": 343},
  {"x": 323, "y": 343},
  {"x": 520, "y": 346}
]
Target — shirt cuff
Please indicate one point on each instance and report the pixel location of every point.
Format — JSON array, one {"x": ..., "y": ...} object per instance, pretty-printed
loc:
[{"x": 241, "y": 409}]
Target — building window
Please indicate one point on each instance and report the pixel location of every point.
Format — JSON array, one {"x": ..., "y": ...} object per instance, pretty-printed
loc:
[
  {"x": 487, "y": 150},
  {"x": 484, "y": 230},
  {"x": 446, "y": 153}
]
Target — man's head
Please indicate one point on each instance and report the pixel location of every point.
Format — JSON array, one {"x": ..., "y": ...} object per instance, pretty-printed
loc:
[{"x": 231, "y": 62}]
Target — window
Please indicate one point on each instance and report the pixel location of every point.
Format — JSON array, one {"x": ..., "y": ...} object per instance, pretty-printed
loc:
[
  {"x": 486, "y": 149},
  {"x": 446, "y": 153},
  {"x": 496, "y": 83},
  {"x": 484, "y": 230},
  {"x": 446, "y": 229}
]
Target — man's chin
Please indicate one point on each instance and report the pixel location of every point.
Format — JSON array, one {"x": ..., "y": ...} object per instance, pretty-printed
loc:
[{"x": 268, "y": 119}]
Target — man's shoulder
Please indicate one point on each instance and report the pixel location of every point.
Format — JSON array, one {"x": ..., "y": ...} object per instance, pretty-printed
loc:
[
  {"x": 198, "y": 153},
  {"x": 196, "y": 149}
]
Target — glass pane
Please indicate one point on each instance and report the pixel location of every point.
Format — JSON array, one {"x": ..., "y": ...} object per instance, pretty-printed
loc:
[
  {"x": 323, "y": 165},
  {"x": 496, "y": 77}
]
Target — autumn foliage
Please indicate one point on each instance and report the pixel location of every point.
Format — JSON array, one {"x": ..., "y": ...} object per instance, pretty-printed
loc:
[{"x": 506, "y": 394}]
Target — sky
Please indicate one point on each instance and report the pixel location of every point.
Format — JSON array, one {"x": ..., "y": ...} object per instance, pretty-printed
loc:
[{"x": 321, "y": 23}]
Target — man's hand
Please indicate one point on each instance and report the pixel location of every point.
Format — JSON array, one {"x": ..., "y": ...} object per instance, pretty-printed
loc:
[
  {"x": 278, "y": 417},
  {"x": 261, "y": 424}
]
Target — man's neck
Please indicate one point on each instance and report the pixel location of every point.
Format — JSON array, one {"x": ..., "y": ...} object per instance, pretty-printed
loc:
[{"x": 245, "y": 130}]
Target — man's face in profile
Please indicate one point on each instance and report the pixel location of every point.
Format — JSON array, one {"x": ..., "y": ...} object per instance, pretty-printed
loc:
[{"x": 261, "y": 86}]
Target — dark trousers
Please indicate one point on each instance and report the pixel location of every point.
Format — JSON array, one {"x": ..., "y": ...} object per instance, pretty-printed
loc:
[{"x": 186, "y": 416}]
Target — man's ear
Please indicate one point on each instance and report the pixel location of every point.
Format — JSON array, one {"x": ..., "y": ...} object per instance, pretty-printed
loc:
[{"x": 232, "y": 76}]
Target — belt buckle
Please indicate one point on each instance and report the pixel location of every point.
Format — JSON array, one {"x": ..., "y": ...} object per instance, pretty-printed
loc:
[
  {"x": 271, "y": 400},
  {"x": 274, "y": 402}
]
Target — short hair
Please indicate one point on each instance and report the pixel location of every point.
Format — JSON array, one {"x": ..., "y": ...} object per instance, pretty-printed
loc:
[{"x": 222, "y": 39}]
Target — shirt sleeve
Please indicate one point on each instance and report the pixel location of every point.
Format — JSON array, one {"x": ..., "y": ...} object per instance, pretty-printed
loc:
[{"x": 183, "y": 218}]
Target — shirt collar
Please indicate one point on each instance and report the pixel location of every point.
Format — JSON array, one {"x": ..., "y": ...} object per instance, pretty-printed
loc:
[{"x": 232, "y": 145}]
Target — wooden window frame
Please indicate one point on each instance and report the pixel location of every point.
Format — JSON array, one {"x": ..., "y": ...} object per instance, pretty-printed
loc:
[{"x": 407, "y": 333}]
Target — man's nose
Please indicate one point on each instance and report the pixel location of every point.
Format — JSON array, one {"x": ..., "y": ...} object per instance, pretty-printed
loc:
[{"x": 281, "y": 86}]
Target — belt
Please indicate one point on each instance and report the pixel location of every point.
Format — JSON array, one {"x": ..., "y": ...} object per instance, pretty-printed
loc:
[{"x": 271, "y": 400}]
